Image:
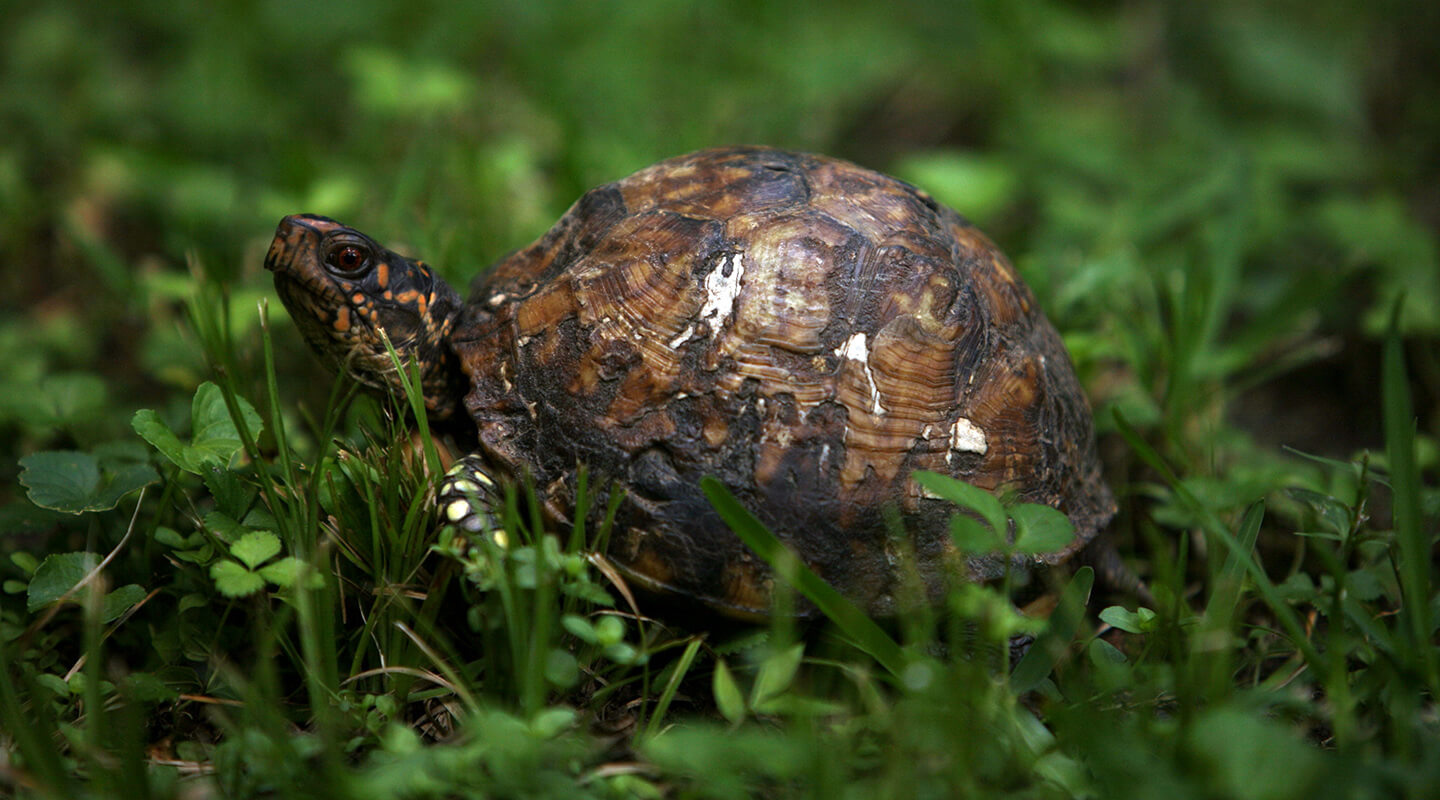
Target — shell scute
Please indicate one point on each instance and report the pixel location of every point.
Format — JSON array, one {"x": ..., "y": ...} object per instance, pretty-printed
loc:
[{"x": 808, "y": 332}]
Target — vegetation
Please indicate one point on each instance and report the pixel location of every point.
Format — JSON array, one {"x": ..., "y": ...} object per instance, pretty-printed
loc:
[{"x": 223, "y": 577}]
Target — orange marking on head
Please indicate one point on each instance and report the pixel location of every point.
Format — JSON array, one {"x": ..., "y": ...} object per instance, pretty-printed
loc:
[
  {"x": 389, "y": 295},
  {"x": 358, "y": 299},
  {"x": 382, "y": 275},
  {"x": 342, "y": 319}
]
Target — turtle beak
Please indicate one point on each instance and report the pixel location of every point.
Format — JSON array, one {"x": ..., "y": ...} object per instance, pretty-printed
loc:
[{"x": 295, "y": 237}]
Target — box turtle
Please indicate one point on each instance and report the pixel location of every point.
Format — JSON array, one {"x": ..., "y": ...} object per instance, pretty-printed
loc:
[{"x": 807, "y": 331}]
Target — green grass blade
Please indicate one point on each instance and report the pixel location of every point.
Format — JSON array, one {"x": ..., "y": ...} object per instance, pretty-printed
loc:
[
  {"x": 846, "y": 615},
  {"x": 1217, "y": 529},
  {"x": 1214, "y": 645},
  {"x": 1414, "y": 545},
  {"x": 1221, "y": 607},
  {"x": 408, "y": 372},
  {"x": 682, "y": 667},
  {"x": 30, "y": 726},
  {"x": 272, "y": 392}
]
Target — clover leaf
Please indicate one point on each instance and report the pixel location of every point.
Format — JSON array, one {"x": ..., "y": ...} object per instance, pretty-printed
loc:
[{"x": 214, "y": 439}]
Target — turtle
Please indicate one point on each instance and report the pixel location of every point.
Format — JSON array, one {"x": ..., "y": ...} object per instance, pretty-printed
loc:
[{"x": 807, "y": 331}]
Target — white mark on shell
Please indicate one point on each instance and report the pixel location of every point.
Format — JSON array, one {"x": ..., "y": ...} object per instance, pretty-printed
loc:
[
  {"x": 856, "y": 349},
  {"x": 722, "y": 286},
  {"x": 967, "y": 438},
  {"x": 497, "y": 299},
  {"x": 679, "y": 340}
]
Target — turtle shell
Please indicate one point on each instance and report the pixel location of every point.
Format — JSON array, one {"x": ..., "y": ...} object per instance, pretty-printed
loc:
[{"x": 808, "y": 332}]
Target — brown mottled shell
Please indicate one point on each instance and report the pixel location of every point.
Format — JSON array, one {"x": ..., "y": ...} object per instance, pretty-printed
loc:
[{"x": 805, "y": 330}]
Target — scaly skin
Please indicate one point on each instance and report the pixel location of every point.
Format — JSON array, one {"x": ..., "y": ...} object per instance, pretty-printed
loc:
[{"x": 343, "y": 289}]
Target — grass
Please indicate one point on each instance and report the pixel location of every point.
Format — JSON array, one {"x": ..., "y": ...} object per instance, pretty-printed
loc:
[{"x": 222, "y": 576}]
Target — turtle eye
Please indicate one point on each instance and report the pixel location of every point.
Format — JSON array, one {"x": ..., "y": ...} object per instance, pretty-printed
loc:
[{"x": 347, "y": 259}]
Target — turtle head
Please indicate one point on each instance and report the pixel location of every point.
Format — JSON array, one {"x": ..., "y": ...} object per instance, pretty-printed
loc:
[{"x": 344, "y": 290}]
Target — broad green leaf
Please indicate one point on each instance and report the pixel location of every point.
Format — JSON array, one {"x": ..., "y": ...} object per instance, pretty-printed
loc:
[
  {"x": 255, "y": 548},
  {"x": 965, "y": 496},
  {"x": 287, "y": 571},
  {"x": 1332, "y": 513},
  {"x": 580, "y": 628},
  {"x": 55, "y": 576},
  {"x": 1104, "y": 653},
  {"x": 796, "y": 705},
  {"x": 199, "y": 555},
  {"x": 1040, "y": 528},
  {"x": 214, "y": 438},
  {"x": 549, "y": 723},
  {"x": 25, "y": 561},
  {"x": 727, "y": 694},
  {"x": 623, "y": 653},
  {"x": 119, "y": 601},
  {"x": 170, "y": 537},
  {"x": 213, "y": 429},
  {"x": 147, "y": 688},
  {"x": 194, "y": 600},
  {"x": 1365, "y": 584},
  {"x": 561, "y": 668},
  {"x": 233, "y": 580},
  {"x": 233, "y": 496},
  {"x": 54, "y": 683},
  {"x": 74, "y": 482},
  {"x": 1298, "y": 588},
  {"x": 974, "y": 537},
  {"x": 609, "y": 630},
  {"x": 148, "y": 424},
  {"x": 775, "y": 676},
  {"x": 57, "y": 401},
  {"x": 1141, "y": 620},
  {"x": 224, "y": 527}
]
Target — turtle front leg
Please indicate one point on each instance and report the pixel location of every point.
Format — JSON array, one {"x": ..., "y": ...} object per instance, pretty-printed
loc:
[{"x": 469, "y": 499}]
